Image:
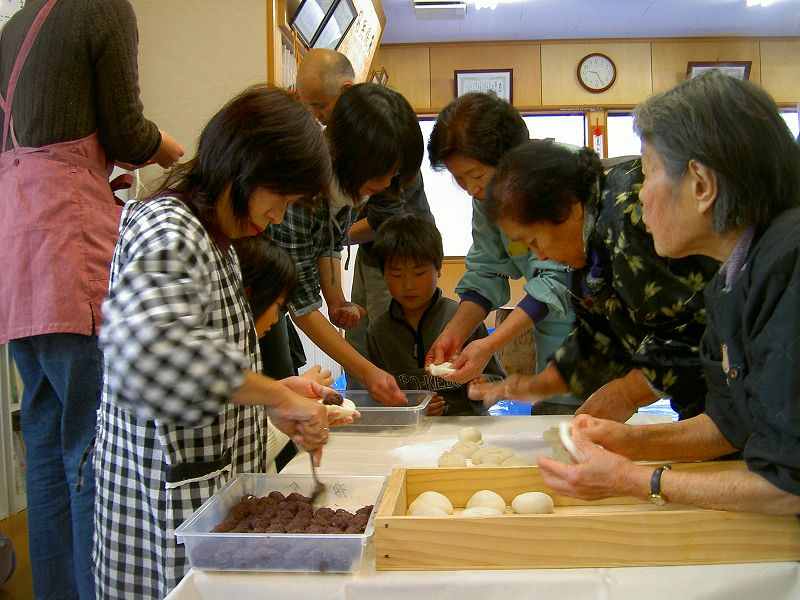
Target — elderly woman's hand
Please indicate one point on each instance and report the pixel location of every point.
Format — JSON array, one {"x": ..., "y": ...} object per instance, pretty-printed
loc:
[
  {"x": 620, "y": 398},
  {"x": 600, "y": 474},
  {"x": 611, "y": 435},
  {"x": 471, "y": 361},
  {"x": 534, "y": 388}
]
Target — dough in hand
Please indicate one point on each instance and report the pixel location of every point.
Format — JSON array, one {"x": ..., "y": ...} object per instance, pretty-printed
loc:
[
  {"x": 442, "y": 370},
  {"x": 452, "y": 459},
  {"x": 426, "y": 510},
  {"x": 488, "y": 499},
  {"x": 465, "y": 449},
  {"x": 470, "y": 434},
  {"x": 436, "y": 499},
  {"x": 532, "y": 503},
  {"x": 480, "y": 511},
  {"x": 565, "y": 435}
]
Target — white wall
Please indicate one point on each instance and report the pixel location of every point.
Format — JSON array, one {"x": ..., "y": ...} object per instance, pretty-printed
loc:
[{"x": 194, "y": 55}]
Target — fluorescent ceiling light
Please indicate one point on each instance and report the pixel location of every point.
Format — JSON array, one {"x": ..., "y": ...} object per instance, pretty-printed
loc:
[
  {"x": 753, "y": 3},
  {"x": 490, "y": 4}
]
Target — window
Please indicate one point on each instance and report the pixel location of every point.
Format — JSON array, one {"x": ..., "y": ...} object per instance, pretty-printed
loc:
[
  {"x": 622, "y": 141},
  {"x": 452, "y": 207},
  {"x": 792, "y": 118},
  {"x": 564, "y": 128}
]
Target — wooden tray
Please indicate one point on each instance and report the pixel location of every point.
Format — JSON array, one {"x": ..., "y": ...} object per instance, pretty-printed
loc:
[{"x": 614, "y": 532}]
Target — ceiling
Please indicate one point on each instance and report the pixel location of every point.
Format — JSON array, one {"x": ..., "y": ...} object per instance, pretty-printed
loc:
[{"x": 563, "y": 19}]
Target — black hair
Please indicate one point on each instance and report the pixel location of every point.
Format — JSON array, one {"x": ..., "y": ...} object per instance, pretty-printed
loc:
[
  {"x": 541, "y": 180},
  {"x": 408, "y": 237},
  {"x": 373, "y": 130},
  {"x": 268, "y": 272},
  {"x": 263, "y": 138},
  {"x": 734, "y": 128},
  {"x": 479, "y": 126}
]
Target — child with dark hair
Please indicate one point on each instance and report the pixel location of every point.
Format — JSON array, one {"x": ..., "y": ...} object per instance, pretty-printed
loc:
[
  {"x": 268, "y": 277},
  {"x": 409, "y": 249}
]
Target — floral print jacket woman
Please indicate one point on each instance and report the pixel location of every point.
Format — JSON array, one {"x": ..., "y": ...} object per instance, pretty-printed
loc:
[{"x": 634, "y": 309}]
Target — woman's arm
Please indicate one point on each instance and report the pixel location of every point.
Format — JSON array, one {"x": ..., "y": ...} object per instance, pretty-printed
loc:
[{"x": 603, "y": 474}]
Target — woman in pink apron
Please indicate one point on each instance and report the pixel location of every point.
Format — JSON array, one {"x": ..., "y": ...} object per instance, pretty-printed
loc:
[{"x": 70, "y": 110}]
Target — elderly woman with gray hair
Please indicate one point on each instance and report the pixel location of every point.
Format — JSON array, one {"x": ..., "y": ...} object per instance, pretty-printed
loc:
[{"x": 722, "y": 179}]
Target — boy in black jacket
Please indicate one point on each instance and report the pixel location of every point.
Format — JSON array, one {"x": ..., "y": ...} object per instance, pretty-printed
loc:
[{"x": 409, "y": 249}]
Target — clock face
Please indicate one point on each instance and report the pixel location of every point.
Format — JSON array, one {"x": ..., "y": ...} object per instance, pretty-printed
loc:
[{"x": 596, "y": 72}]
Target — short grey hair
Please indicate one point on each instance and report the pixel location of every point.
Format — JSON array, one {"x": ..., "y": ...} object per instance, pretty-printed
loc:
[{"x": 734, "y": 128}]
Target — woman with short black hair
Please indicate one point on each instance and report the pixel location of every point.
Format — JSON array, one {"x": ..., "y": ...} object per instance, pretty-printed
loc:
[
  {"x": 722, "y": 179},
  {"x": 471, "y": 136},
  {"x": 183, "y": 402},
  {"x": 376, "y": 145}
]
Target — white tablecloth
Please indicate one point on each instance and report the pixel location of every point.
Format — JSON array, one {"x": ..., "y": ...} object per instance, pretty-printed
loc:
[{"x": 377, "y": 453}]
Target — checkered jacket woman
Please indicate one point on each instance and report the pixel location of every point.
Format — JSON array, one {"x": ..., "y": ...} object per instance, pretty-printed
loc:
[{"x": 177, "y": 338}]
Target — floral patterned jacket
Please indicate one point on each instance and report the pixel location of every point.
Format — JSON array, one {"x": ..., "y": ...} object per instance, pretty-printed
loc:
[{"x": 635, "y": 309}]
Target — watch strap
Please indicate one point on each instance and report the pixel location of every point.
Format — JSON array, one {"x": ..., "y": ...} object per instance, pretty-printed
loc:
[{"x": 655, "y": 484}]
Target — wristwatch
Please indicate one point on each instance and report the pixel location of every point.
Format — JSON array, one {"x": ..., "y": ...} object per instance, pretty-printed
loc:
[{"x": 656, "y": 497}]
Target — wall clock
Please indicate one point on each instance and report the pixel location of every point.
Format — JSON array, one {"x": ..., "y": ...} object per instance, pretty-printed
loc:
[{"x": 596, "y": 72}]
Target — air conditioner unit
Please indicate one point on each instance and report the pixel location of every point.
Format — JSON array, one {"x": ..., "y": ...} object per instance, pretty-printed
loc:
[{"x": 440, "y": 8}]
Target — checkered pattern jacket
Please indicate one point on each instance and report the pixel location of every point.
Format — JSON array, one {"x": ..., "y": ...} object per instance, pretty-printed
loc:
[
  {"x": 309, "y": 234},
  {"x": 176, "y": 338}
]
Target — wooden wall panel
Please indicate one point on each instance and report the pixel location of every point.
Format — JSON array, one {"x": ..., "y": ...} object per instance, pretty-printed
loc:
[
  {"x": 560, "y": 84},
  {"x": 452, "y": 272},
  {"x": 409, "y": 69},
  {"x": 525, "y": 59},
  {"x": 671, "y": 57},
  {"x": 780, "y": 69}
]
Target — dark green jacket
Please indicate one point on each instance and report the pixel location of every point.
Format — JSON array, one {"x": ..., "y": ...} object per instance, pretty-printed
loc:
[{"x": 635, "y": 309}]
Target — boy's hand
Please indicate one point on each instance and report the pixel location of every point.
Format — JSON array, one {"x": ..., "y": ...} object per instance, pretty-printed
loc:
[{"x": 436, "y": 407}]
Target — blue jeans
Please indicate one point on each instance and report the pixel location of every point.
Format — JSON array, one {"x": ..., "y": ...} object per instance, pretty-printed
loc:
[{"x": 62, "y": 375}]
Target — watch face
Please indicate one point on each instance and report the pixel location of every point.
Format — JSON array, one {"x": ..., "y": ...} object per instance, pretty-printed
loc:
[{"x": 596, "y": 72}]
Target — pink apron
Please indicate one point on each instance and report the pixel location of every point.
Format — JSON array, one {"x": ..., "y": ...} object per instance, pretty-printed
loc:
[{"x": 58, "y": 227}]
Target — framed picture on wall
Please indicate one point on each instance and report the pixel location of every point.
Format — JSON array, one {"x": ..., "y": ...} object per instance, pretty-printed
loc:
[
  {"x": 495, "y": 81},
  {"x": 738, "y": 69}
]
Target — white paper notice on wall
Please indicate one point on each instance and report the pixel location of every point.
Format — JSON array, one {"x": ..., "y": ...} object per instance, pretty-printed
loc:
[{"x": 7, "y": 10}]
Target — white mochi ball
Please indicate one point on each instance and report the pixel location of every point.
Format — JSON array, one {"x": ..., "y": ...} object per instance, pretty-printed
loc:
[
  {"x": 514, "y": 461},
  {"x": 532, "y": 503},
  {"x": 452, "y": 459},
  {"x": 504, "y": 453},
  {"x": 478, "y": 455},
  {"x": 488, "y": 499},
  {"x": 465, "y": 449},
  {"x": 436, "y": 499},
  {"x": 470, "y": 434},
  {"x": 491, "y": 459},
  {"x": 426, "y": 510},
  {"x": 480, "y": 511}
]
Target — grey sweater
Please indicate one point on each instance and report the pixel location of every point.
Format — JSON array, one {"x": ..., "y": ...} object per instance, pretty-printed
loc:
[
  {"x": 81, "y": 76},
  {"x": 396, "y": 347}
]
